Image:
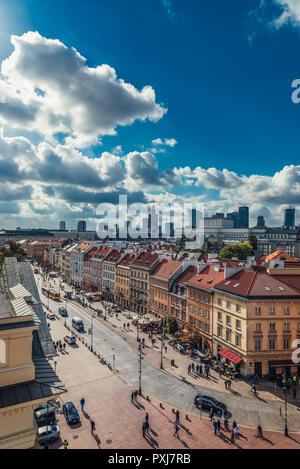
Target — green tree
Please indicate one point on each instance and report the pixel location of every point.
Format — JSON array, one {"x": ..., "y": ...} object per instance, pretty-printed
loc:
[
  {"x": 239, "y": 250},
  {"x": 252, "y": 240},
  {"x": 171, "y": 325}
]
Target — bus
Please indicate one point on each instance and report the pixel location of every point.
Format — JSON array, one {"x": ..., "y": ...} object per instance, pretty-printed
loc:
[
  {"x": 77, "y": 323},
  {"x": 51, "y": 294}
]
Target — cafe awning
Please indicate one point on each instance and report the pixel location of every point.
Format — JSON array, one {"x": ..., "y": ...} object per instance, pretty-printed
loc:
[{"x": 230, "y": 356}]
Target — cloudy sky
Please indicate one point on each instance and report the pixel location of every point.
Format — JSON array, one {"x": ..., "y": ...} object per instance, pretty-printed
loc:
[{"x": 162, "y": 100}]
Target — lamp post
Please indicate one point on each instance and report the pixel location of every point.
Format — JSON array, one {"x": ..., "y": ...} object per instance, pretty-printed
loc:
[
  {"x": 92, "y": 327},
  {"x": 140, "y": 369},
  {"x": 163, "y": 337},
  {"x": 286, "y": 433}
]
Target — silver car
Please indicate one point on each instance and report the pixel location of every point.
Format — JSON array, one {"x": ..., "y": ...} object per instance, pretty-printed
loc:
[{"x": 48, "y": 434}]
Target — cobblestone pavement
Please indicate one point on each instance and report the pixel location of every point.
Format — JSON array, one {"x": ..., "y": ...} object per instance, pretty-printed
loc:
[
  {"x": 119, "y": 422},
  {"x": 109, "y": 339}
]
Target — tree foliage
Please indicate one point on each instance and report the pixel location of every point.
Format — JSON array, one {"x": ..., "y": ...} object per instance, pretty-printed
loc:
[
  {"x": 252, "y": 240},
  {"x": 239, "y": 250},
  {"x": 171, "y": 325},
  {"x": 12, "y": 249}
]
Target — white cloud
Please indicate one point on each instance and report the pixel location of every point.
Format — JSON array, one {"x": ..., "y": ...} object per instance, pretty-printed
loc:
[
  {"x": 290, "y": 13},
  {"x": 51, "y": 89},
  {"x": 169, "y": 142}
]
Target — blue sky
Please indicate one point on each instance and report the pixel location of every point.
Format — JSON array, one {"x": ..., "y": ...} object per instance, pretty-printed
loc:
[{"x": 222, "y": 72}]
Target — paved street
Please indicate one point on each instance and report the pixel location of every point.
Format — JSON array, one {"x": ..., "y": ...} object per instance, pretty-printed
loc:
[
  {"x": 167, "y": 387},
  {"x": 119, "y": 422}
]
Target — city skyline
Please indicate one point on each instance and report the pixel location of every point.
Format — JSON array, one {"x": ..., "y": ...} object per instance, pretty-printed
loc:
[{"x": 64, "y": 149}]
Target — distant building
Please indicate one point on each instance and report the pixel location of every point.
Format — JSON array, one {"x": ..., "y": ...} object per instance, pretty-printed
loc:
[
  {"x": 243, "y": 217},
  {"x": 289, "y": 218},
  {"x": 261, "y": 222},
  {"x": 81, "y": 228},
  {"x": 62, "y": 226},
  {"x": 233, "y": 216}
]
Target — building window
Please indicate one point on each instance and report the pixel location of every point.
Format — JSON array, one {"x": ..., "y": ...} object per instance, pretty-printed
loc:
[
  {"x": 258, "y": 310},
  {"x": 258, "y": 327},
  {"x": 220, "y": 331},
  {"x": 286, "y": 344},
  {"x": 286, "y": 326},
  {"x": 219, "y": 316},
  {"x": 272, "y": 327},
  {"x": 272, "y": 344},
  {"x": 228, "y": 305},
  {"x": 238, "y": 324},
  {"x": 286, "y": 310},
  {"x": 228, "y": 320},
  {"x": 237, "y": 308},
  {"x": 238, "y": 340},
  {"x": 257, "y": 345},
  {"x": 272, "y": 310},
  {"x": 219, "y": 302},
  {"x": 228, "y": 335}
]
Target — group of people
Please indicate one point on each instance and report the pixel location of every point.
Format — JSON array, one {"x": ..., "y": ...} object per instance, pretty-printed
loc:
[
  {"x": 58, "y": 345},
  {"x": 198, "y": 369},
  {"x": 93, "y": 425}
]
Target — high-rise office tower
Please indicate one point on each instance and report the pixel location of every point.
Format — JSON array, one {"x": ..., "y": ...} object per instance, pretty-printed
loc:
[
  {"x": 243, "y": 217},
  {"x": 289, "y": 217},
  {"x": 233, "y": 216},
  {"x": 62, "y": 226},
  {"x": 261, "y": 222},
  {"x": 81, "y": 227}
]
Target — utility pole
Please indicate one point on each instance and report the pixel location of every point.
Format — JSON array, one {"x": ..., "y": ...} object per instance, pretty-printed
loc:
[{"x": 140, "y": 370}]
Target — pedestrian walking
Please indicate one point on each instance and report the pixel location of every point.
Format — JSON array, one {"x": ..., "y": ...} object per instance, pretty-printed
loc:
[
  {"x": 128, "y": 325},
  {"x": 211, "y": 414},
  {"x": 144, "y": 430},
  {"x": 234, "y": 424},
  {"x": 259, "y": 432},
  {"x": 82, "y": 402},
  {"x": 66, "y": 444},
  {"x": 93, "y": 426},
  {"x": 176, "y": 430},
  {"x": 219, "y": 425},
  {"x": 232, "y": 436},
  {"x": 193, "y": 367},
  {"x": 132, "y": 397},
  {"x": 229, "y": 384},
  {"x": 147, "y": 418},
  {"x": 226, "y": 425},
  {"x": 215, "y": 425},
  {"x": 177, "y": 416},
  {"x": 226, "y": 384},
  {"x": 201, "y": 369}
]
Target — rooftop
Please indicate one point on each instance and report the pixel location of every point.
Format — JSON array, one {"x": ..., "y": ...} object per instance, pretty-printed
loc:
[
  {"x": 166, "y": 269},
  {"x": 146, "y": 259},
  {"x": 208, "y": 278}
]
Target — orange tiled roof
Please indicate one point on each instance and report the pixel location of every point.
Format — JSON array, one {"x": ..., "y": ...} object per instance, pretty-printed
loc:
[
  {"x": 207, "y": 278},
  {"x": 167, "y": 268},
  {"x": 281, "y": 255}
]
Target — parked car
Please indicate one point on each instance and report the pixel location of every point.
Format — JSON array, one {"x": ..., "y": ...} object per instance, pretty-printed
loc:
[
  {"x": 48, "y": 434},
  {"x": 51, "y": 316},
  {"x": 70, "y": 339},
  {"x": 63, "y": 311},
  {"x": 70, "y": 412},
  {"x": 207, "y": 403},
  {"x": 44, "y": 415}
]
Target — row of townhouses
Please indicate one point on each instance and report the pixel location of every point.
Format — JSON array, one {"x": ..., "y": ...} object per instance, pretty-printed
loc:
[{"x": 246, "y": 311}]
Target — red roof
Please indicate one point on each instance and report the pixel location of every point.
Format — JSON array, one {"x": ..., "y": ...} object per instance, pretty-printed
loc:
[
  {"x": 166, "y": 269},
  {"x": 127, "y": 260},
  {"x": 279, "y": 254},
  {"x": 113, "y": 256},
  {"x": 256, "y": 284},
  {"x": 207, "y": 278},
  {"x": 229, "y": 355},
  {"x": 187, "y": 274},
  {"x": 145, "y": 259}
]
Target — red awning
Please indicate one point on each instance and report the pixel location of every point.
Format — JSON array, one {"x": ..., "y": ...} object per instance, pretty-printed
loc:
[{"x": 229, "y": 355}]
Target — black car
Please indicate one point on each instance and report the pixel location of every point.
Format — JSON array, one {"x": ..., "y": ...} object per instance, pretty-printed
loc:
[
  {"x": 207, "y": 403},
  {"x": 70, "y": 412},
  {"x": 44, "y": 415}
]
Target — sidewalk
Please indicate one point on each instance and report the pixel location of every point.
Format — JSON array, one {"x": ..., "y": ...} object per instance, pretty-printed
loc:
[
  {"x": 119, "y": 422},
  {"x": 153, "y": 356}
]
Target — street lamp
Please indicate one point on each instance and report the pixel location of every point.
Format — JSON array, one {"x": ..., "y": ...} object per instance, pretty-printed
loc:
[
  {"x": 140, "y": 370},
  {"x": 163, "y": 337},
  {"x": 285, "y": 405},
  {"x": 92, "y": 327}
]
